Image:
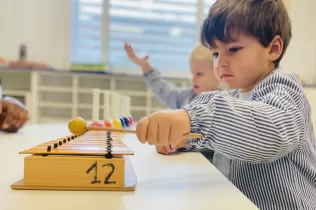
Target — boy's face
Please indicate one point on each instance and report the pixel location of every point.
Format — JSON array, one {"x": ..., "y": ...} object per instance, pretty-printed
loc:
[
  {"x": 203, "y": 77},
  {"x": 243, "y": 63}
]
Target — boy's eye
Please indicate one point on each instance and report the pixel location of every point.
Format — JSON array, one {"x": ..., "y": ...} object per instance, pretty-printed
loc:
[
  {"x": 215, "y": 54},
  {"x": 199, "y": 74},
  {"x": 234, "y": 49}
]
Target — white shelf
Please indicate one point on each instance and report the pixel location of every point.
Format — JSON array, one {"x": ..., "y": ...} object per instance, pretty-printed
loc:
[
  {"x": 58, "y": 96},
  {"x": 138, "y": 108},
  {"x": 54, "y": 105},
  {"x": 128, "y": 93},
  {"x": 53, "y": 119},
  {"x": 55, "y": 89}
]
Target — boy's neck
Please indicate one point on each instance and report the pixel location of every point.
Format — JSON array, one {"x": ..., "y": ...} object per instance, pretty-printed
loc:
[{"x": 256, "y": 82}]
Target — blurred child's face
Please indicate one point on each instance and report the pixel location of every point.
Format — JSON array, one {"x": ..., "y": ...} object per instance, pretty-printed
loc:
[
  {"x": 203, "y": 77},
  {"x": 245, "y": 62}
]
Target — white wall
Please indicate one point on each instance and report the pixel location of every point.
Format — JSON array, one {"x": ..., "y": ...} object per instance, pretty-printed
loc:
[
  {"x": 311, "y": 96},
  {"x": 301, "y": 54},
  {"x": 45, "y": 25}
]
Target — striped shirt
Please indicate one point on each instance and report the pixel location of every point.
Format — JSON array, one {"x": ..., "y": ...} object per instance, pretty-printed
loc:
[{"x": 264, "y": 144}]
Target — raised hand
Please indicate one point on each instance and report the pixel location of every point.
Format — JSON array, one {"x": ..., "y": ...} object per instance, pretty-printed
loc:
[{"x": 141, "y": 62}]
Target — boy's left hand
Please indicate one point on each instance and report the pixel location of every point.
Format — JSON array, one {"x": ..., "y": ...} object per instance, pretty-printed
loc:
[
  {"x": 169, "y": 149},
  {"x": 164, "y": 128}
]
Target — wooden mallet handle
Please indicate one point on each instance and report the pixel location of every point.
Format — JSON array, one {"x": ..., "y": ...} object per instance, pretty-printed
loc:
[
  {"x": 188, "y": 135},
  {"x": 79, "y": 126}
]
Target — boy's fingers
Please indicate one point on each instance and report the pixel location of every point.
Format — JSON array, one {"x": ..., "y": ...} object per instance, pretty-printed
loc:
[
  {"x": 141, "y": 129},
  {"x": 160, "y": 149},
  {"x": 174, "y": 136},
  {"x": 130, "y": 51},
  {"x": 163, "y": 134},
  {"x": 152, "y": 132},
  {"x": 167, "y": 149},
  {"x": 163, "y": 149}
]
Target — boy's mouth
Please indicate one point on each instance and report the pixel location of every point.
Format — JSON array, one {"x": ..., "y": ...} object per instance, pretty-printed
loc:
[
  {"x": 195, "y": 86},
  {"x": 224, "y": 76}
]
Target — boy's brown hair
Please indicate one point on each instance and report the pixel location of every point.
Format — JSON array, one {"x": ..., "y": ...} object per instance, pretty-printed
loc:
[{"x": 262, "y": 19}]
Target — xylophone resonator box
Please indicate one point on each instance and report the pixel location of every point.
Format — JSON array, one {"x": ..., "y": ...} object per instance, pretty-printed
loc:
[{"x": 96, "y": 160}]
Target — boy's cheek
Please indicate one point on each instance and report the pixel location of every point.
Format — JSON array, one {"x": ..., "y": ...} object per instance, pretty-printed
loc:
[{"x": 217, "y": 75}]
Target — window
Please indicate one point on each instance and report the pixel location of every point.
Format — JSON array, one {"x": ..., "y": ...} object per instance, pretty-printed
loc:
[
  {"x": 163, "y": 29},
  {"x": 87, "y": 32},
  {"x": 166, "y": 30},
  {"x": 207, "y": 5}
]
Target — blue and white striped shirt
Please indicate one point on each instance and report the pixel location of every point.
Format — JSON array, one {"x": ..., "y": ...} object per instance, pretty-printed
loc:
[
  {"x": 168, "y": 94},
  {"x": 265, "y": 145}
]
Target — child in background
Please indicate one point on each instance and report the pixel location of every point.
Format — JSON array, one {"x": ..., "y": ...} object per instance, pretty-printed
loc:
[
  {"x": 262, "y": 132},
  {"x": 203, "y": 80}
]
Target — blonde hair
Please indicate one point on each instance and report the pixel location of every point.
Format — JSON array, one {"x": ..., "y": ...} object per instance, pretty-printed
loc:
[{"x": 201, "y": 52}]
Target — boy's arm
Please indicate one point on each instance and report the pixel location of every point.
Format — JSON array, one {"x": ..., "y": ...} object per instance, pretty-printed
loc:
[
  {"x": 253, "y": 131},
  {"x": 167, "y": 93}
]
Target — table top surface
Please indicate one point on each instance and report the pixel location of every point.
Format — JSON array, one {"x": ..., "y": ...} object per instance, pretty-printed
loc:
[{"x": 178, "y": 181}]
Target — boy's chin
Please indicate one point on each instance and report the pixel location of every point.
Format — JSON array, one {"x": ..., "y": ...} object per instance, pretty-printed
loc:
[
  {"x": 231, "y": 85},
  {"x": 197, "y": 91}
]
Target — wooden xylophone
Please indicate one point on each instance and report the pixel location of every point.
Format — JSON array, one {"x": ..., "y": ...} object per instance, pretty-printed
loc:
[{"x": 95, "y": 160}]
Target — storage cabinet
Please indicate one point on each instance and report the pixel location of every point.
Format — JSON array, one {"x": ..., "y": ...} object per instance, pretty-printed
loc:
[{"x": 60, "y": 96}]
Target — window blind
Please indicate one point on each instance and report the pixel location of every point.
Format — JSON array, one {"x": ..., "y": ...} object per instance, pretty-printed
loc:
[
  {"x": 207, "y": 6},
  {"x": 163, "y": 29},
  {"x": 87, "y": 32},
  {"x": 166, "y": 30}
]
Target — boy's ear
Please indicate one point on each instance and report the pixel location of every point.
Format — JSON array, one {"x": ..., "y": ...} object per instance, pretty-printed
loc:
[{"x": 275, "y": 48}]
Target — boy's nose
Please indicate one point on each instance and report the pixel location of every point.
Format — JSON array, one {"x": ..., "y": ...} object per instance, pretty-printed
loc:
[
  {"x": 194, "y": 79},
  {"x": 222, "y": 62}
]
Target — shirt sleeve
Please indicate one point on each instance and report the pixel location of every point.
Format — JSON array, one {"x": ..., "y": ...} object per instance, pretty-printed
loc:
[
  {"x": 192, "y": 146},
  {"x": 262, "y": 130},
  {"x": 167, "y": 93}
]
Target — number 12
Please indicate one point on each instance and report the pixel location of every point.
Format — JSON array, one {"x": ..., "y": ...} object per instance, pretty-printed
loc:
[{"x": 106, "y": 180}]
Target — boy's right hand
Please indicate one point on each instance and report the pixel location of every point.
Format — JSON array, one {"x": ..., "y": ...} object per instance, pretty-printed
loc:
[{"x": 142, "y": 62}]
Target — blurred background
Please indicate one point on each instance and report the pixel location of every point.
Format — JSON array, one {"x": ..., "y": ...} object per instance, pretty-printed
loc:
[{"x": 53, "y": 52}]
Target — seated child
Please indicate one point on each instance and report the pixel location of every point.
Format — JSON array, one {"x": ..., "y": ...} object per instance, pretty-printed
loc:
[
  {"x": 262, "y": 133},
  {"x": 203, "y": 80}
]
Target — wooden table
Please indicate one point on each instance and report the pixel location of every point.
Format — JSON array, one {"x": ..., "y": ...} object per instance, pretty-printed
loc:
[{"x": 181, "y": 181}]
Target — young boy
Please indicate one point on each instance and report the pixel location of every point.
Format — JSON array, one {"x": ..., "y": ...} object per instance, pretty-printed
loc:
[
  {"x": 262, "y": 133},
  {"x": 203, "y": 80}
]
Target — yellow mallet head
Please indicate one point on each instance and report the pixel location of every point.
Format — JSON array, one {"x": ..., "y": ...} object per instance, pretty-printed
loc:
[{"x": 77, "y": 126}]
